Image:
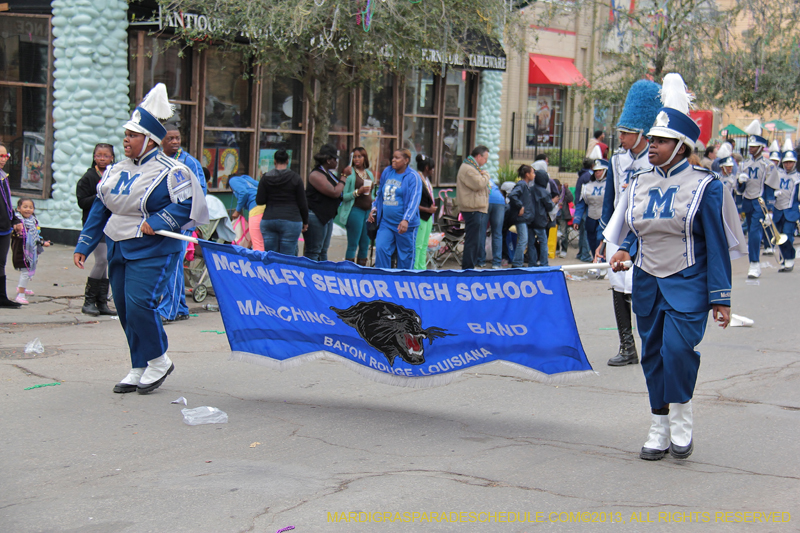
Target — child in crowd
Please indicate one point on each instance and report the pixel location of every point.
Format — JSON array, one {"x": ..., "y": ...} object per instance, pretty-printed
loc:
[{"x": 26, "y": 248}]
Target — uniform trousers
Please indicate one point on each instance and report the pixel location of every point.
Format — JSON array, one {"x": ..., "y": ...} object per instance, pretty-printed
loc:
[
  {"x": 388, "y": 241},
  {"x": 753, "y": 217},
  {"x": 592, "y": 226},
  {"x": 173, "y": 302},
  {"x": 786, "y": 227},
  {"x": 669, "y": 360},
  {"x": 137, "y": 285}
]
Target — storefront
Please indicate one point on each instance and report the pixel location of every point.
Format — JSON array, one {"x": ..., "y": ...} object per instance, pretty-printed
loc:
[{"x": 70, "y": 75}]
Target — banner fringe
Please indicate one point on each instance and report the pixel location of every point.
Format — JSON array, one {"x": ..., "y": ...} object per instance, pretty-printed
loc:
[{"x": 422, "y": 382}]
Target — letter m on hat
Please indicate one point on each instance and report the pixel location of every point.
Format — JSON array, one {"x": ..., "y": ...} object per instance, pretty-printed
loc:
[{"x": 661, "y": 203}]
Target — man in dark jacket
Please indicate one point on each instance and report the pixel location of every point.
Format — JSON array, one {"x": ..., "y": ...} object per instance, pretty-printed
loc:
[
  {"x": 541, "y": 220},
  {"x": 521, "y": 210}
]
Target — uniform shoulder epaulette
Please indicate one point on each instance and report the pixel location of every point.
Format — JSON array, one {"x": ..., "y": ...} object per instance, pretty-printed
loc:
[
  {"x": 642, "y": 171},
  {"x": 706, "y": 170}
]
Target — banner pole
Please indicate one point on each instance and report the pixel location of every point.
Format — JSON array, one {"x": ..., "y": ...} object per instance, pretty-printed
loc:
[
  {"x": 178, "y": 236},
  {"x": 591, "y": 266}
]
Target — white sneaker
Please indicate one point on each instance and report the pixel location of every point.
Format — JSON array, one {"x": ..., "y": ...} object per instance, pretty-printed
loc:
[
  {"x": 768, "y": 251},
  {"x": 130, "y": 382},
  {"x": 680, "y": 430},
  {"x": 154, "y": 375},
  {"x": 657, "y": 440},
  {"x": 754, "y": 271}
]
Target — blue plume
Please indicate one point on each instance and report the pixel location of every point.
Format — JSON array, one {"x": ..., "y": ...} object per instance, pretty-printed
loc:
[{"x": 641, "y": 106}]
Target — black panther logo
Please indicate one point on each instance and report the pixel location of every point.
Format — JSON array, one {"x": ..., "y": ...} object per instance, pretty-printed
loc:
[{"x": 391, "y": 329}]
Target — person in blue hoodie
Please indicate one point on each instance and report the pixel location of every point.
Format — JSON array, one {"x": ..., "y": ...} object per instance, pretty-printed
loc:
[
  {"x": 396, "y": 208},
  {"x": 244, "y": 189}
]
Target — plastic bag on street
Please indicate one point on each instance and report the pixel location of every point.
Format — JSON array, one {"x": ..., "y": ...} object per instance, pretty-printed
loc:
[
  {"x": 204, "y": 415},
  {"x": 35, "y": 346}
]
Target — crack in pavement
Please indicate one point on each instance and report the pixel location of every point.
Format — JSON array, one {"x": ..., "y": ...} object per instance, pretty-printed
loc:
[{"x": 32, "y": 373}]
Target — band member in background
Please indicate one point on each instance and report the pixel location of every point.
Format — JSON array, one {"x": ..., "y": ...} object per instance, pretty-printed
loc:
[
  {"x": 785, "y": 212},
  {"x": 751, "y": 186},
  {"x": 638, "y": 115}
]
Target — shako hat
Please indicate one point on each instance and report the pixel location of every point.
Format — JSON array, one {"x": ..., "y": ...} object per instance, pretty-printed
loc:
[
  {"x": 754, "y": 134},
  {"x": 147, "y": 116}
]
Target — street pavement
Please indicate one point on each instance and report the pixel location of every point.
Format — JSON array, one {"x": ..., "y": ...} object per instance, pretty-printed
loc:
[{"x": 321, "y": 448}]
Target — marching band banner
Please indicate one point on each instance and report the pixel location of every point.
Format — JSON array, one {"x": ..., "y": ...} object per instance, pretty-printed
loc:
[{"x": 414, "y": 329}]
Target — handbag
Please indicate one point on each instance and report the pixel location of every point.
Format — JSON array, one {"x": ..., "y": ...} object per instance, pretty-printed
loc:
[{"x": 372, "y": 230}]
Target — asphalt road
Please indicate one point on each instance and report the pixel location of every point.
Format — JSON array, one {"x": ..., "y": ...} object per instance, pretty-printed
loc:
[{"x": 309, "y": 446}]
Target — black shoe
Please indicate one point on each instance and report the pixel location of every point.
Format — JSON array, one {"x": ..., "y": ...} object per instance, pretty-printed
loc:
[
  {"x": 165, "y": 321},
  {"x": 681, "y": 452},
  {"x": 181, "y": 317},
  {"x": 122, "y": 388},
  {"x": 90, "y": 298},
  {"x": 650, "y": 454},
  {"x": 622, "y": 359},
  {"x": 102, "y": 299},
  {"x": 156, "y": 384},
  {"x": 627, "y": 344},
  {"x": 4, "y": 301}
]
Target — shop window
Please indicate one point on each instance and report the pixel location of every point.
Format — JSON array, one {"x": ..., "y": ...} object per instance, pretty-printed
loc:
[
  {"x": 26, "y": 102},
  {"x": 163, "y": 64},
  {"x": 378, "y": 122},
  {"x": 340, "y": 131},
  {"x": 228, "y": 90},
  {"x": 282, "y": 123},
  {"x": 225, "y": 154},
  {"x": 543, "y": 117},
  {"x": 271, "y": 142},
  {"x": 439, "y": 119}
]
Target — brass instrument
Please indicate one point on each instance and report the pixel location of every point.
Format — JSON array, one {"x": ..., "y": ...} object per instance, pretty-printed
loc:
[{"x": 776, "y": 238}]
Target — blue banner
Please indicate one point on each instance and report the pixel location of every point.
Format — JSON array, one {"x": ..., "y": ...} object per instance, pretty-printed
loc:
[{"x": 410, "y": 328}]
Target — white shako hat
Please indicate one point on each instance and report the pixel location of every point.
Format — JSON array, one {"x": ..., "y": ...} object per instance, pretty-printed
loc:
[
  {"x": 753, "y": 130},
  {"x": 724, "y": 154},
  {"x": 673, "y": 120},
  {"x": 788, "y": 150},
  {"x": 775, "y": 151},
  {"x": 599, "y": 162},
  {"x": 146, "y": 117}
]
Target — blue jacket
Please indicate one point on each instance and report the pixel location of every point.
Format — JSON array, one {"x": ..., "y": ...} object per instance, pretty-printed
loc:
[
  {"x": 398, "y": 198},
  {"x": 158, "y": 203},
  {"x": 244, "y": 189},
  {"x": 709, "y": 276}
]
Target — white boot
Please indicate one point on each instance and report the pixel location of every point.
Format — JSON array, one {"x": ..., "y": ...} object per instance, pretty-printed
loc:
[
  {"x": 754, "y": 271},
  {"x": 154, "y": 375},
  {"x": 788, "y": 265},
  {"x": 680, "y": 430},
  {"x": 657, "y": 440},
  {"x": 130, "y": 382}
]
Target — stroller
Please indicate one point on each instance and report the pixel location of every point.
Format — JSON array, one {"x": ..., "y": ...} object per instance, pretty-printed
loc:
[
  {"x": 452, "y": 228},
  {"x": 218, "y": 229}
]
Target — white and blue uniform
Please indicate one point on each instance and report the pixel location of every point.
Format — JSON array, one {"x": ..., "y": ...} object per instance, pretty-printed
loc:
[
  {"x": 165, "y": 194},
  {"x": 751, "y": 190},
  {"x": 624, "y": 164},
  {"x": 785, "y": 213},
  {"x": 681, "y": 221},
  {"x": 397, "y": 200},
  {"x": 174, "y": 301},
  {"x": 591, "y": 203}
]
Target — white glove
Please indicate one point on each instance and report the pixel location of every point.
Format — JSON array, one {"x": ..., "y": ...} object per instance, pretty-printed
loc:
[
  {"x": 768, "y": 218},
  {"x": 742, "y": 178},
  {"x": 778, "y": 194}
]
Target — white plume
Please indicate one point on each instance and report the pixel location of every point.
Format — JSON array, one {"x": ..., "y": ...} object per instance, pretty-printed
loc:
[
  {"x": 754, "y": 128},
  {"x": 157, "y": 102},
  {"x": 774, "y": 147},
  {"x": 674, "y": 94},
  {"x": 724, "y": 151},
  {"x": 787, "y": 144},
  {"x": 596, "y": 153}
]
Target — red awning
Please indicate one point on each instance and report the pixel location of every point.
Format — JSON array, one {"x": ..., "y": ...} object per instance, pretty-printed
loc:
[{"x": 552, "y": 70}]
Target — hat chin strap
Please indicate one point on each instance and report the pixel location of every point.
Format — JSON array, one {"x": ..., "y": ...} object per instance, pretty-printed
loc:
[{"x": 674, "y": 153}]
